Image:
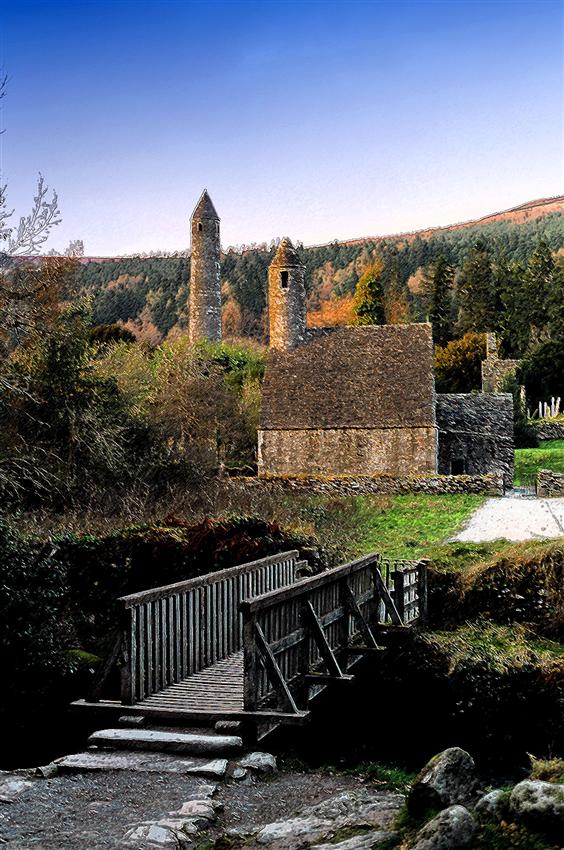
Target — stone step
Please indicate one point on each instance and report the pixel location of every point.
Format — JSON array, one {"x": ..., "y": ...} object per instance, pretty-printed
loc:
[
  {"x": 143, "y": 762},
  {"x": 175, "y": 742}
]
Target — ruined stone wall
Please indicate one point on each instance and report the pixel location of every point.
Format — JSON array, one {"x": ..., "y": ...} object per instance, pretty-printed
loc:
[
  {"x": 205, "y": 286},
  {"x": 348, "y": 451},
  {"x": 490, "y": 484},
  {"x": 550, "y": 483},
  {"x": 549, "y": 430},
  {"x": 476, "y": 431}
]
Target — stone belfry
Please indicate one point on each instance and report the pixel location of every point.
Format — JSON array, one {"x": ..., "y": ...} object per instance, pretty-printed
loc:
[
  {"x": 286, "y": 298},
  {"x": 205, "y": 284}
]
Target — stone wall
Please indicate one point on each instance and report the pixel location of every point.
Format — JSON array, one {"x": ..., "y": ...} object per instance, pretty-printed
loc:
[
  {"x": 495, "y": 370},
  {"x": 490, "y": 484},
  {"x": 348, "y": 451},
  {"x": 476, "y": 434},
  {"x": 549, "y": 430},
  {"x": 550, "y": 483}
]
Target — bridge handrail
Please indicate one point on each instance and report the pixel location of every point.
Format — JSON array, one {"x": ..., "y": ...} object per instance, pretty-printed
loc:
[
  {"x": 305, "y": 585},
  {"x": 326, "y": 620},
  {"x": 205, "y": 580}
]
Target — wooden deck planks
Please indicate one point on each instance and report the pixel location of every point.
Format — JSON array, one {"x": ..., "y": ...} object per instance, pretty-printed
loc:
[{"x": 218, "y": 687}]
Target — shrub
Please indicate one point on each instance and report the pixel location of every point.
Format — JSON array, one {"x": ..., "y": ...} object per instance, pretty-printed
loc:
[{"x": 458, "y": 365}]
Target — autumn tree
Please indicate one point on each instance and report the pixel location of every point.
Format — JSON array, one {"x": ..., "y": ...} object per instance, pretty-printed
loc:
[
  {"x": 458, "y": 364},
  {"x": 369, "y": 306}
]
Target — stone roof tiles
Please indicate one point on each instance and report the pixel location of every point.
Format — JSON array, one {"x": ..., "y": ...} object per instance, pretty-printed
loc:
[
  {"x": 205, "y": 208},
  {"x": 375, "y": 376},
  {"x": 286, "y": 255}
]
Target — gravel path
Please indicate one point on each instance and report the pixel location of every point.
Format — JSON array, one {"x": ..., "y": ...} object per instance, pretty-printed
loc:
[
  {"x": 92, "y": 811},
  {"x": 515, "y": 518}
]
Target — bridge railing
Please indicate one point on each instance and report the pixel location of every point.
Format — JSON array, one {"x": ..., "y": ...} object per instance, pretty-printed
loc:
[
  {"x": 309, "y": 633},
  {"x": 170, "y": 632}
]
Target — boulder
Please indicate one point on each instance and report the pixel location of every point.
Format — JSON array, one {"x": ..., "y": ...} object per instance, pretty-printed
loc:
[
  {"x": 259, "y": 762},
  {"x": 492, "y": 807},
  {"x": 539, "y": 805},
  {"x": 452, "y": 829},
  {"x": 357, "y": 810},
  {"x": 363, "y": 841},
  {"x": 447, "y": 780},
  {"x": 11, "y": 787}
]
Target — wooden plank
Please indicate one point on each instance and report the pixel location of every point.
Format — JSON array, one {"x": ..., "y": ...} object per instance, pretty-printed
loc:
[
  {"x": 273, "y": 671},
  {"x": 250, "y": 665},
  {"x": 399, "y": 594},
  {"x": 325, "y": 679},
  {"x": 389, "y": 604},
  {"x": 320, "y": 639},
  {"x": 363, "y": 626}
]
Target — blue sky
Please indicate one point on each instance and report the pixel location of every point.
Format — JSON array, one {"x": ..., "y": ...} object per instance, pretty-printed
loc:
[{"x": 317, "y": 120}]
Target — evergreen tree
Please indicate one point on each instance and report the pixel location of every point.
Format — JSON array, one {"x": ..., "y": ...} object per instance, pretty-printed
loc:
[
  {"x": 368, "y": 302},
  {"x": 438, "y": 286},
  {"x": 477, "y": 291},
  {"x": 539, "y": 283},
  {"x": 556, "y": 302}
]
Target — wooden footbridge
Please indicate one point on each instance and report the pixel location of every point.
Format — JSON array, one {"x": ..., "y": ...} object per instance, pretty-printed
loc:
[{"x": 256, "y": 641}]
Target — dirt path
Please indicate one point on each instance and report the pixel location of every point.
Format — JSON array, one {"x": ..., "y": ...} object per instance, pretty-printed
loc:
[
  {"x": 515, "y": 518},
  {"x": 92, "y": 811}
]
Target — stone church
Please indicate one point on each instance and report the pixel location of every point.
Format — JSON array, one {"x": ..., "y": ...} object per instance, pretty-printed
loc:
[{"x": 350, "y": 401}]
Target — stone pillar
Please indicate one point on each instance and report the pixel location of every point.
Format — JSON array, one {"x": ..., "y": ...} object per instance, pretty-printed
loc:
[
  {"x": 205, "y": 283},
  {"x": 286, "y": 298}
]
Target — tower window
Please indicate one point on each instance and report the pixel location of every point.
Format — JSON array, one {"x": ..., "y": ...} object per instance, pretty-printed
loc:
[
  {"x": 199, "y": 225},
  {"x": 284, "y": 280}
]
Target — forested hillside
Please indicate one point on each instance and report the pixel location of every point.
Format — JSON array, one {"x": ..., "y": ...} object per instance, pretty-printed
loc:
[{"x": 149, "y": 294}]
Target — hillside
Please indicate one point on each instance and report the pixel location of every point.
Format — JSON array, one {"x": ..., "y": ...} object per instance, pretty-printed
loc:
[{"x": 149, "y": 294}]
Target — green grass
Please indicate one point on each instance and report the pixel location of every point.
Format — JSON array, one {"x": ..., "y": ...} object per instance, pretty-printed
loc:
[
  {"x": 549, "y": 455},
  {"x": 411, "y": 524}
]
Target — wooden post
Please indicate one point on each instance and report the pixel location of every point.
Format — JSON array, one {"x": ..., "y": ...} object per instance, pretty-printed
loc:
[
  {"x": 422, "y": 589},
  {"x": 127, "y": 643},
  {"x": 399, "y": 593},
  {"x": 250, "y": 662}
]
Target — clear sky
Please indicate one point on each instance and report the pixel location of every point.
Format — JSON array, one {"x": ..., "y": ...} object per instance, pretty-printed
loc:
[{"x": 317, "y": 120}]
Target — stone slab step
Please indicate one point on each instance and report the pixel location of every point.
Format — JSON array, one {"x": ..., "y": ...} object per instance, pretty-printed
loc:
[
  {"x": 177, "y": 742},
  {"x": 143, "y": 762}
]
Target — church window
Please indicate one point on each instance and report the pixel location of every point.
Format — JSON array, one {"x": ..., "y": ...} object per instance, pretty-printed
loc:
[{"x": 284, "y": 280}]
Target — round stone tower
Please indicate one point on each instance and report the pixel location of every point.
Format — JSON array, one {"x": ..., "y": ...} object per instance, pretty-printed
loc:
[
  {"x": 286, "y": 298},
  {"x": 205, "y": 285}
]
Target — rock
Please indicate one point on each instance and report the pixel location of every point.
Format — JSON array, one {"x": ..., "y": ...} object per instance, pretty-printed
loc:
[
  {"x": 539, "y": 805},
  {"x": 134, "y": 721},
  {"x": 11, "y": 788},
  {"x": 362, "y": 841},
  {"x": 166, "y": 834},
  {"x": 452, "y": 829},
  {"x": 492, "y": 807},
  {"x": 239, "y": 773},
  {"x": 448, "y": 779},
  {"x": 177, "y": 742},
  {"x": 215, "y": 769},
  {"x": 319, "y": 823},
  {"x": 229, "y": 727},
  {"x": 259, "y": 762},
  {"x": 201, "y": 812},
  {"x": 46, "y": 771},
  {"x": 143, "y": 762}
]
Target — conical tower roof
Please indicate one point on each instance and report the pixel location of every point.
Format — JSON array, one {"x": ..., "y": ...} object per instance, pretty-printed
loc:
[
  {"x": 205, "y": 208},
  {"x": 286, "y": 255}
]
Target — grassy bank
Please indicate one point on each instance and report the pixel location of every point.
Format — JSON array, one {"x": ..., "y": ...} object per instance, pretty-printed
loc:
[{"x": 549, "y": 455}]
